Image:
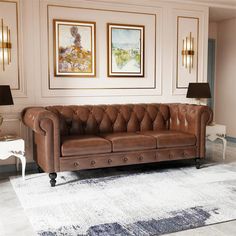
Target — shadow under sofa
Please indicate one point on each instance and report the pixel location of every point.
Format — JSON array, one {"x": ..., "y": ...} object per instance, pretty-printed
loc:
[{"x": 71, "y": 138}]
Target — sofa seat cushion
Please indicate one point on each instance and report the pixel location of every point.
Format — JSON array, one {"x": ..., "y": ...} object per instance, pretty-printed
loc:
[
  {"x": 171, "y": 138},
  {"x": 84, "y": 145},
  {"x": 130, "y": 141}
]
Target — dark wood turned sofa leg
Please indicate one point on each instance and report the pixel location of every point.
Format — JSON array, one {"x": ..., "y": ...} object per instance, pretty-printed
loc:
[
  {"x": 198, "y": 163},
  {"x": 53, "y": 177}
]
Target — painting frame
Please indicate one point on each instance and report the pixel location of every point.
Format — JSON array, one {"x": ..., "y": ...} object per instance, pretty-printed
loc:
[
  {"x": 56, "y": 45},
  {"x": 110, "y": 71}
]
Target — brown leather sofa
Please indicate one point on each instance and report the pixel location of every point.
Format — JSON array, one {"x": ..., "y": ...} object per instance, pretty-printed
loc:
[{"x": 70, "y": 138}]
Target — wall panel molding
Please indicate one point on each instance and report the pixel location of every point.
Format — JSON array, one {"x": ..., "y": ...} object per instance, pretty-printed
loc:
[
  {"x": 151, "y": 84},
  {"x": 196, "y": 23},
  {"x": 10, "y": 11},
  {"x": 185, "y": 27}
]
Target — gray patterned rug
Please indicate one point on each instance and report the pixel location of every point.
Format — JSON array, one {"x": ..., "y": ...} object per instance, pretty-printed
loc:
[{"x": 146, "y": 201}]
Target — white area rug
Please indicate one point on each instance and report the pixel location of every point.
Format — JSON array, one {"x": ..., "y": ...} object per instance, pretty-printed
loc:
[{"x": 121, "y": 202}]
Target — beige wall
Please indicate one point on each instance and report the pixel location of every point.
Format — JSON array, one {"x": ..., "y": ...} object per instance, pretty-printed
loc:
[
  {"x": 213, "y": 29},
  {"x": 34, "y": 59},
  {"x": 224, "y": 33},
  {"x": 213, "y": 34},
  {"x": 226, "y": 76}
]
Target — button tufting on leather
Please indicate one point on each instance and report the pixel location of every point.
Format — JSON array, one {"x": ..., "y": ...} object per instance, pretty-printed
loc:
[
  {"x": 109, "y": 161},
  {"x": 101, "y": 119},
  {"x": 80, "y": 121},
  {"x": 76, "y": 164},
  {"x": 140, "y": 158}
]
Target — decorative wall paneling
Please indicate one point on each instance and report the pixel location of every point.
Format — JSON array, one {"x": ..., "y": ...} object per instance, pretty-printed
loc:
[
  {"x": 13, "y": 74},
  {"x": 186, "y": 23},
  {"x": 187, "y": 27},
  {"x": 102, "y": 85}
]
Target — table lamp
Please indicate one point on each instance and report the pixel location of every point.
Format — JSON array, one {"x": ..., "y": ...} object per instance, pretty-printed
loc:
[
  {"x": 199, "y": 91},
  {"x": 5, "y": 98}
]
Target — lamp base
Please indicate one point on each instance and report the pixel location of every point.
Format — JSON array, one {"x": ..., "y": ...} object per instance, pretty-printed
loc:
[
  {"x": 198, "y": 101},
  {"x": 201, "y": 101}
]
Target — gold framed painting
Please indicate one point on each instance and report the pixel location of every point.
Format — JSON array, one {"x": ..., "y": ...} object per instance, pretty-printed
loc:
[
  {"x": 125, "y": 50},
  {"x": 74, "y": 48}
]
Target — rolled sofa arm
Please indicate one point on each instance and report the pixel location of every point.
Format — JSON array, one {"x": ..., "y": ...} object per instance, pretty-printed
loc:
[
  {"x": 45, "y": 125},
  {"x": 191, "y": 119}
]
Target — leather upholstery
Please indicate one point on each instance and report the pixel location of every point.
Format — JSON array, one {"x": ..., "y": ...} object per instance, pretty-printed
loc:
[
  {"x": 191, "y": 119},
  {"x": 55, "y": 125},
  {"x": 45, "y": 125},
  {"x": 80, "y": 120},
  {"x": 84, "y": 145},
  {"x": 126, "y": 158},
  {"x": 130, "y": 141},
  {"x": 171, "y": 138}
]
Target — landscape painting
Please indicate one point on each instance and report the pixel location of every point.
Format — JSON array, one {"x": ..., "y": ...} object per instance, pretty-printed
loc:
[
  {"x": 125, "y": 50},
  {"x": 74, "y": 46}
]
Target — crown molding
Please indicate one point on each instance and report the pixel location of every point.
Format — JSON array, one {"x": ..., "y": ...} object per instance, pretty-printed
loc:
[{"x": 209, "y": 3}]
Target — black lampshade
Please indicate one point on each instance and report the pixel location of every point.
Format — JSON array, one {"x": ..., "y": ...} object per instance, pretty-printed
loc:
[
  {"x": 5, "y": 95},
  {"x": 199, "y": 90}
]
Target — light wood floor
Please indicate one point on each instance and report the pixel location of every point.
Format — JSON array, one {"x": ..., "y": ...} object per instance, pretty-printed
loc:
[{"x": 13, "y": 221}]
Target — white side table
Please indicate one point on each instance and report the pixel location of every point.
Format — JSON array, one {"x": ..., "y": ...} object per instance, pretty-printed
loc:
[
  {"x": 217, "y": 131},
  {"x": 13, "y": 146}
]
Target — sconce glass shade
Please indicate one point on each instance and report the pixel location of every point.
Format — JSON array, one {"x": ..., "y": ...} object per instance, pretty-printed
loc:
[
  {"x": 188, "y": 52},
  {"x": 199, "y": 90},
  {"x": 5, "y": 45}
]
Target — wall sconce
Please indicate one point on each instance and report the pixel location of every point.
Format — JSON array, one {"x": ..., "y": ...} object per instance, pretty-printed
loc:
[
  {"x": 188, "y": 52},
  {"x": 5, "y": 45}
]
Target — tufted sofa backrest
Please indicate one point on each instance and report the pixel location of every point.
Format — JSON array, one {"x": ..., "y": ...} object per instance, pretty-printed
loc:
[
  {"x": 80, "y": 120},
  {"x": 184, "y": 117}
]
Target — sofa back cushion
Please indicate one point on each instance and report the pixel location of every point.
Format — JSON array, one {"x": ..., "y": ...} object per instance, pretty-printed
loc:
[{"x": 98, "y": 119}]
